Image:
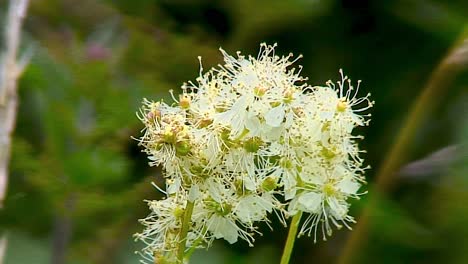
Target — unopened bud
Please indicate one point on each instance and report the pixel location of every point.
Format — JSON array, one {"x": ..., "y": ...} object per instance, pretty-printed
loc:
[
  {"x": 269, "y": 184},
  {"x": 183, "y": 148},
  {"x": 286, "y": 163},
  {"x": 252, "y": 144}
]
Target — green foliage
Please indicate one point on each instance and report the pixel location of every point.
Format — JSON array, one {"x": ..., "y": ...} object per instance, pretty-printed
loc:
[{"x": 94, "y": 61}]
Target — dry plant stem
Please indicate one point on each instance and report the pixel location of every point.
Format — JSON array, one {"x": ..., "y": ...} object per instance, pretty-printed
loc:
[
  {"x": 184, "y": 231},
  {"x": 292, "y": 234},
  {"x": 3, "y": 245},
  {"x": 10, "y": 70},
  {"x": 427, "y": 101}
]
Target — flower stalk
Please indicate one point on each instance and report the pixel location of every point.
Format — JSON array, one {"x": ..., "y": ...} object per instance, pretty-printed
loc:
[
  {"x": 292, "y": 234},
  {"x": 184, "y": 231}
]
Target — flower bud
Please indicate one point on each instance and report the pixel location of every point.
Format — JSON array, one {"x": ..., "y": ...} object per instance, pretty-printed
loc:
[
  {"x": 269, "y": 184},
  {"x": 252, "y": 144},
  {"x": 183, "y": 148},
  {"x": 285, "y": 163}
]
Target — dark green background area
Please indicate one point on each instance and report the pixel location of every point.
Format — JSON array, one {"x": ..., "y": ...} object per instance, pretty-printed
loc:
[{"x": 78, "y": 179}]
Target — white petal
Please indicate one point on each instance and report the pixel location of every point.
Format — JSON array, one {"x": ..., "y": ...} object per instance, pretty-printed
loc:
[
  {"x": 289, "y": 182},
  {"x": 249, "y": 183},
  {"x": 338, "y": 210},
  {"x": 313, "y": 129},
  {"x": 289, "y": 193},
  {"x": 253, "y": 208},
  {"x": 275, "y": 116},
  {"x": 311, "y": 201},
  {"x": 194, "y": 193},
  {"x": 348, "y": 186},
  {"x": 240, "y": 104},
  {"x": 293, "y": 207},
  {"x": 289, "y": 119},
  {"x": 174, "y": 187},
  {"x": 272, "y": 133},
  {"x": 253, "y": 125},
  {"x": 214, "y": 190},
  {"x": 326, "y": 115},
  {"x": 223, "y": 228},
  {"x": 230, "y": 232}
]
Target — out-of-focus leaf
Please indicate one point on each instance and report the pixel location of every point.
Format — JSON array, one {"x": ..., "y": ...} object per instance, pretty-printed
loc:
[
  {"x": 432, "y": 164},
  {"x": 25, "y": 249},
  {"x": 435, "y": 17},
  {"x": 450, "y": 214},
  {"x": 91, "y": 167},
  {"x": 395, "y": 226}
]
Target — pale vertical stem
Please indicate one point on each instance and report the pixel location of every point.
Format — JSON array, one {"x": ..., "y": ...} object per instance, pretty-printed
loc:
[
  {"x": 292, "y": 234},
  {"x": 9, "y": 73},
  {"x": 10, "y": 69},
  {"x": 3, "y": 245}
]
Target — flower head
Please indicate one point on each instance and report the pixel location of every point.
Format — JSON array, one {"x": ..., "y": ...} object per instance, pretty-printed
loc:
[{"x": 248, "y": 139}]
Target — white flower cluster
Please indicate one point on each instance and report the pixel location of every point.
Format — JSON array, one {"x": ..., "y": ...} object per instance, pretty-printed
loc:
[{"x": 248, "y": 139}]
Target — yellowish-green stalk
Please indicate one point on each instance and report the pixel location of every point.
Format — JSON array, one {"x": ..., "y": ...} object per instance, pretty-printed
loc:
[
  {"x": 292, "y": 234},
  {"x": 420, "y": 110},
  {"x": 193, "y": 247},
  {"x": 184, "y": 231}
]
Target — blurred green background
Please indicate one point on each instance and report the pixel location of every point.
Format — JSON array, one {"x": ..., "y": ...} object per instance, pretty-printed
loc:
[{"x": 78, "y": 179}]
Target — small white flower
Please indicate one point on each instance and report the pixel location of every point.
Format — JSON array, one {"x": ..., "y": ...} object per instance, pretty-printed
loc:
[
  {"x": 325, "y": 198},
  {"x": 223, "y": 227},
  {"x": 275, "y": 116},
  {"x": 254, "y": 208}
]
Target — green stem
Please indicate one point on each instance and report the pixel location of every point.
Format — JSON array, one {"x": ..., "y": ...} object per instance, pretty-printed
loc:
[
  {"x": 291, "y": 238},
  {"x": 184, "y": 231},
  {"x": 430, "y": 97},
  {"x": 194, "y": 245},
  {"x": 192, "y": 248}
]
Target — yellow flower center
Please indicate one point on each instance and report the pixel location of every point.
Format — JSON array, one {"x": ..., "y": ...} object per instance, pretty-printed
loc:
[
  {"x": 259, "y": 91},
  {"x": 184, "y": 102},
  {"x": 329, "y": 189},
  {"x": 342, "y": 105}
]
